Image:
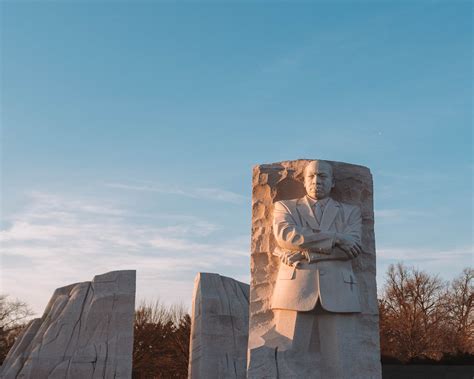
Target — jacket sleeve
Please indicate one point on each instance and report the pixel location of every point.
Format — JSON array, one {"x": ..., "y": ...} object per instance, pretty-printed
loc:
[
  {"x": 354, "y": 224},
  {"x": 291, "y": 235}
]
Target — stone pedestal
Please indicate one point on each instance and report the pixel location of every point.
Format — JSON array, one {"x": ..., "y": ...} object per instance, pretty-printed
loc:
[
  {"x": 86, "y": 332},
  {"x": 219, "y": 328},
  {"x": 329, "y": 345}
]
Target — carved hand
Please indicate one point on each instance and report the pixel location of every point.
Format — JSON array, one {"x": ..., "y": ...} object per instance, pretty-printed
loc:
[
  {"x": 348, "y": 245},
  {"x": 291, "y": 258}
]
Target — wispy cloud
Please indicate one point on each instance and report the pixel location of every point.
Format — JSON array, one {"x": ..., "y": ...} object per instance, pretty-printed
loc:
[
  {"x": 462, "y": 254},
  {"x": 447, "y": 263},
  {"x": 397, "y": 214},
  {"x": 196, "y": 193},
  {"x": 56, "y": 240}
]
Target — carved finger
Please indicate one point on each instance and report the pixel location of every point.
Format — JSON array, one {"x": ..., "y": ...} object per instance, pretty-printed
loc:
[
  {"x": 348, "y": 252},
  {"x": 294, "y": 258},
  {"x": 289, "y": 258},
  {"x": 354, "y": 250}
]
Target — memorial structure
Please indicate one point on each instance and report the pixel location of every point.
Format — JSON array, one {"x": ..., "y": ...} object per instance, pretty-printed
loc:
[
  {"x": 86, "y": 332},
  {"x": 219, "y": 328},
  {"x": 313, "y": 300}
]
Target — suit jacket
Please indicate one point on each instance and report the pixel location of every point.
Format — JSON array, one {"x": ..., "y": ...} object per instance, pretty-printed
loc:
[{"x": 330, "y": 279}]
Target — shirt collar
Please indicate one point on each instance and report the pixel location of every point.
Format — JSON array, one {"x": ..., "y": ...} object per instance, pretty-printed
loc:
[{"x": 312, "y": 202}]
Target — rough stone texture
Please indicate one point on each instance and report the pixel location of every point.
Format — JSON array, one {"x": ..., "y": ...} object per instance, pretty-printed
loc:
[
  {"x": 86, "y": 332},
  {"x": 357, "y": 334},
  {"x": 219, "y": 329}
]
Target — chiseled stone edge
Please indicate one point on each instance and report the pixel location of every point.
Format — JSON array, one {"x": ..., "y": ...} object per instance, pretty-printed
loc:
[
  {"x": 219, "y": 328},
  {"x": 28, "y": 345}
]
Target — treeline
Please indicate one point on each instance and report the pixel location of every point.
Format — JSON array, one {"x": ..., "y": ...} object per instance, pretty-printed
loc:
[
  {"x": 161, "y": 342},
  {"x": 14, "y": 316},
  {"x": 423, "y": 319}
]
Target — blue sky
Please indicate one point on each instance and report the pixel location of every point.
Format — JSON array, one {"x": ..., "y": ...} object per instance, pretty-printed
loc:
[{"x": 129, "y": 131}]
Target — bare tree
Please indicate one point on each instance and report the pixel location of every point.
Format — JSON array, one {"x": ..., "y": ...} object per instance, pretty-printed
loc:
[
  {"x": 180, "y": 339},
  {"x": 460, "y": 311},
  {"x": 161, "y": 341},
  {"x": 412, "y": 314},
  {"x": 14, "y": 315}
]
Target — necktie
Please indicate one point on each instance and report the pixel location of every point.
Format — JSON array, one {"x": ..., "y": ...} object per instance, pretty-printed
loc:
[{"x": 318, "y": 212}]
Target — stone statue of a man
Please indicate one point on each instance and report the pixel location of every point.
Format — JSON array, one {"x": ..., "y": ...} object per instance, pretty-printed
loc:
[{"x": 317, "y": 238}]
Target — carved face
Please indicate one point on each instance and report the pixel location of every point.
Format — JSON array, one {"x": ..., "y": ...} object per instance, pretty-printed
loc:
[{"x": 318, "y": 179}]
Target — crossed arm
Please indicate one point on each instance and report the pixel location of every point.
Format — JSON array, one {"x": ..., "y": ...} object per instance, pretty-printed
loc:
[{"x": 297, "y": 240}]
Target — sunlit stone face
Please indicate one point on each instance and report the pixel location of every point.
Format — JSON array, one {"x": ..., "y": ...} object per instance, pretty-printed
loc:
[{"x": 318, "y": 179}]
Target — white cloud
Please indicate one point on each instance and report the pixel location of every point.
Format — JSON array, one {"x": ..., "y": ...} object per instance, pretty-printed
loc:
[
  {"x": 447, "y": 263},
  {"x": 196, "y": 193},
  {"x": 396, "y": 214},
  {"x": 55, "y": 241},
  {"x": 462, "y": 254}
]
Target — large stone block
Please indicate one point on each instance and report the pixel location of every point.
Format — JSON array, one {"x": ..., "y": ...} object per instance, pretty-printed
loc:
[
  {"x": 342, "y": 344},
  {"x": 219, "y": 329},
  {"x": 86, "y": 332}
]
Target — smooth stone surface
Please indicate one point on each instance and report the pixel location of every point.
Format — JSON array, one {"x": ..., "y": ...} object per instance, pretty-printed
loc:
[
  {"x": 291, "y": 339},
  {"x": 219, "y": 328},
  {"x": 86, "y": 332}
]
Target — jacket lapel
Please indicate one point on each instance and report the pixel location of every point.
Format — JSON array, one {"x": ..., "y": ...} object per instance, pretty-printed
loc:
[
  {"x": 330, "y": 212},
  {"x": 306, "y": 213}
]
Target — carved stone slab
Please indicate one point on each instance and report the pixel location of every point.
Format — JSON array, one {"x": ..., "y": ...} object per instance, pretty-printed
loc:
[
  {"x": 219, "y": 329},
  {"x": 355, "y": 351},
  {"x": 86, "y": 332}
]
